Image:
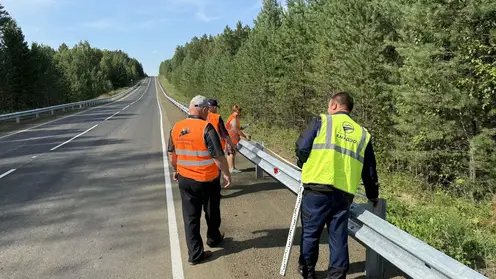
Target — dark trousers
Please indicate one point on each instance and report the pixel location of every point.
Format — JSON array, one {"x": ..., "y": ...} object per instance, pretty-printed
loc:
[
  {"x": 330, "y": 209},
  {"x": 194, "y": 196}
]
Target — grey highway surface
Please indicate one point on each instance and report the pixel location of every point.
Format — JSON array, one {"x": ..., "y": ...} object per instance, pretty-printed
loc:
[{"x": 87, "y": 197}]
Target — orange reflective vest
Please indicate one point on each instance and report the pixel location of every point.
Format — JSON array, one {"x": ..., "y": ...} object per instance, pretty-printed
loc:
[
  {"x": 193, "y": 159},
  {"x": 213, "y": 118},
  {"x": 233, "y": 133}
]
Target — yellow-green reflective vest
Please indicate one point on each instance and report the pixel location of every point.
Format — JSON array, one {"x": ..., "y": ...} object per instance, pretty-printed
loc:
[{"x": 337, "y": 154}]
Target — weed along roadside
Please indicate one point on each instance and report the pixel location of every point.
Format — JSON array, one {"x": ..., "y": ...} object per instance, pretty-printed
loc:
[{"x": 457, "y": 226}]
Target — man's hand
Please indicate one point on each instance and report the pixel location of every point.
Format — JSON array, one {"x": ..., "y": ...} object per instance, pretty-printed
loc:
[
  {"x": 374, "y": 201},
  {"x": 227, "y": 179},
  {"x": 233, "y": 148},
  {"x": 247, "y": 136},
  {"x": 221, "y": 163},
  {"x": 175, "y": 176}
]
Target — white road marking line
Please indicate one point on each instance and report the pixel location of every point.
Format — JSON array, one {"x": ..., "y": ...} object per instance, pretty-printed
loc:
[
  {"x": 34, "y": 127},
  {"x": 74, "y": 138},
  {"x": 146, "y": 90},
  {"x": 7, "y": 173},
  {"x": 130, "y": 103},
  {"x": 177, "y": 263},
  {"x": 111, "y": 116},
  {"x": 72, "y": 115},
  {"x": 34, "y": 157}
]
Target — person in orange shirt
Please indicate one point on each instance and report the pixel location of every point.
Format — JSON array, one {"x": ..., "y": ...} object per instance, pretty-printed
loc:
[
  {"x": 233, "y": 126},
  {"x": 196, "y": 155}
]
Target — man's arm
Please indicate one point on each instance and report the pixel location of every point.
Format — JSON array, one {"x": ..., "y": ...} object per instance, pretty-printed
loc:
[
  {"x": 224, "y": 133},
  {"x": 214, "y": 146},
  {"x": 171, "y": 149},
  {"x": 369, "y": 173},
  {"x": 305, "y": 141},
  {"x": 234, "y": 125}
]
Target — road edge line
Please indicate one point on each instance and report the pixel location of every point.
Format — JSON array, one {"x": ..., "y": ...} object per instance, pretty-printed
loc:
[{"x": 176, "y": 259}]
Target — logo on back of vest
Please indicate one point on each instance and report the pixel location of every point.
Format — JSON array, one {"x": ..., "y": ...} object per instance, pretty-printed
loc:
[
  {"x": 184, "y": 131},
  {"x": 348, "y": 127}
]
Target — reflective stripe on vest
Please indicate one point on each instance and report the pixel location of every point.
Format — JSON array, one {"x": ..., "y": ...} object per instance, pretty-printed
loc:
[
  {"x": 196, "y": 163},
  {"x": 337, "y": 154},
  {"x": 193, "y": 158},
  {"x": 192, "y": 152},
  {"x": 328, "y": 145}
]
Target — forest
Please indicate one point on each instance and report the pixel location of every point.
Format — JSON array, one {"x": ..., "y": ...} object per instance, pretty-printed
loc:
[
  {"x": 38, "y": 76},
  {"x": 423, "y": 76}
]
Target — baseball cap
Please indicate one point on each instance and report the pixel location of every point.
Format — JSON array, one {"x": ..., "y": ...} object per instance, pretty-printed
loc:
[
  {"x": 213, "y": 103},
  {"x": 199, "y": 101}
]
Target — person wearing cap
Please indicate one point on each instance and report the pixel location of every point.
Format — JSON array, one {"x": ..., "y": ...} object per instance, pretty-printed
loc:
[
  {"x": 196, "y": 155},
  {"x": 233, "y": 126},
  {"x": 215, "y": 119}
]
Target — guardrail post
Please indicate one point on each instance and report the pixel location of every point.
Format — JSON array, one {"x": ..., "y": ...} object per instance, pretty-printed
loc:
[
  {"x": 53, "y": 112},
  {"x": 374, "y": 263},
  {"x": 259, "y": 172},
  {"x": 37, "y": 115},
  {"x": 18, "y": 119},
  {"x": 81, "y": 106}
]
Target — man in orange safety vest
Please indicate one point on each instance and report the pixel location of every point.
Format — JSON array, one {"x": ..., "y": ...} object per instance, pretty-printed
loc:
[{"x": 196, "y": 155}]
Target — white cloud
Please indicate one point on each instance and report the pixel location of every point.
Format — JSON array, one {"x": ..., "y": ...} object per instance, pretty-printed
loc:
[
  {"x": 123, "y": 25},
  {"x": 34, "y": 6},
  {"x": 199, "y": 5},
  {"x": 28, "y": 2},
  {"x": 203, "y": 17},
  {"x": 102, "y": 24},
  {"x": 154, "y": 52}
]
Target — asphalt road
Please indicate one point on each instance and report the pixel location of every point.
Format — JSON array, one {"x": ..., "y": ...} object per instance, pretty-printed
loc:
[{"x": 89, "y": 196}]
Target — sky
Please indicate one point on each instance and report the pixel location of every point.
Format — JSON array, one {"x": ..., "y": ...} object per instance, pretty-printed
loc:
[{"x": 148, "y": 30}]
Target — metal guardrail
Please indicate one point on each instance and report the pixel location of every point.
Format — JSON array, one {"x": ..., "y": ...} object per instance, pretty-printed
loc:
[
  {"x": 82, "y": 104},
  {"x": 383, "y": 240}
]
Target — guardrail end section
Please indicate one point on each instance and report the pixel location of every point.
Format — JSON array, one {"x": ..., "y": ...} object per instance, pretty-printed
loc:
[
  {"x": 259, "y": 172},
  {"x": 374, "y": 263}
]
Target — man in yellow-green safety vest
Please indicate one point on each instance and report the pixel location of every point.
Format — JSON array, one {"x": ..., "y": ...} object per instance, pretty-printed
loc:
[{"x": 335, "y": 153}]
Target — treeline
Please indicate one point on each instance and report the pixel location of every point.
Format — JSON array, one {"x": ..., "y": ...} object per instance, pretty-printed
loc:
[
  {"x": 422, "y": 73},
  {"x": 39, "y": 76}
]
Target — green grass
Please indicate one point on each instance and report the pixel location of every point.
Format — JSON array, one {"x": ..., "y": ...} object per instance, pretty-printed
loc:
[
  {"x": 112, "y": 93},
  {"x": 172, "y": 91},
  {"x": 456, "y": 226}
]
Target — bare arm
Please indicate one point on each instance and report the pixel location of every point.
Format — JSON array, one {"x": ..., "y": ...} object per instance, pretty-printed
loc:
[
  {"x": 224, "y": 134},
  {"x": 221, "y": 163},
  {"x": 234, "y": 125},
  {"x": 173, "y": 160},
  {"x": 215, "y": 149},
  {"x": 229, "y": 140},
  {"x": 171, "y": 150}
]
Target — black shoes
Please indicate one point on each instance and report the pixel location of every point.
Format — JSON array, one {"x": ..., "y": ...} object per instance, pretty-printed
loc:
[
  {"x": 306, "y": 274},
  {"x": 213, "y": 244},
  {"x": 206, "y": 255}
]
